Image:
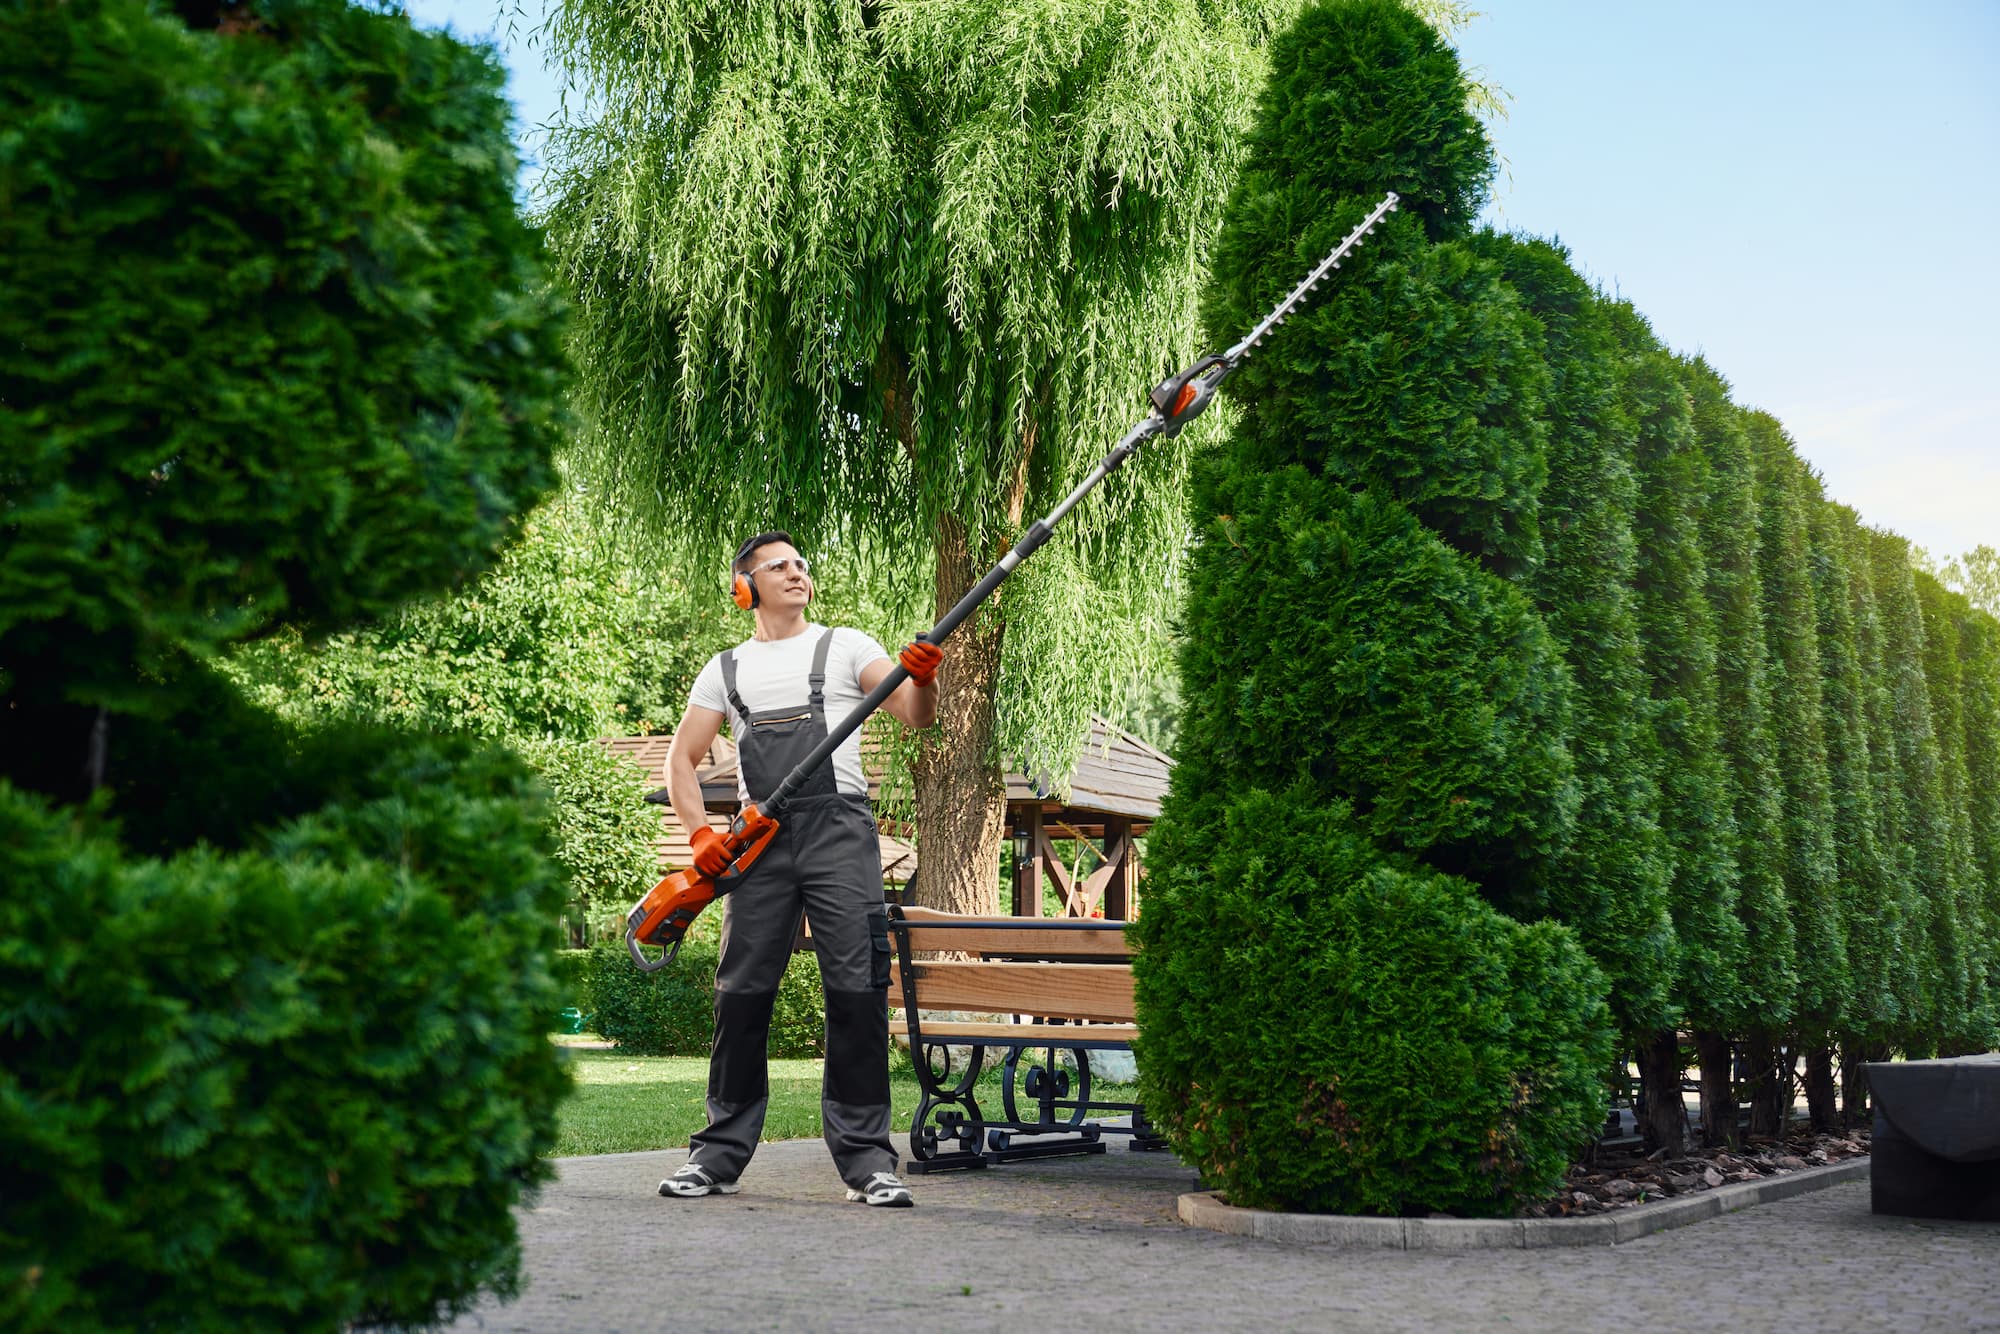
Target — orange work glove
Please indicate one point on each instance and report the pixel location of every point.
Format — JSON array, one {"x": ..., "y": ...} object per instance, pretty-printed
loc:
[
  {"x": 711, "y": 852},
  {"x": 921, "y": 661}
]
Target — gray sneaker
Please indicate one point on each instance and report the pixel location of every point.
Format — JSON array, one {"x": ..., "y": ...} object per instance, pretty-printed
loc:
[
  {"x": 883, "y": 1191},
  {"x": 692, "y": 1182}
]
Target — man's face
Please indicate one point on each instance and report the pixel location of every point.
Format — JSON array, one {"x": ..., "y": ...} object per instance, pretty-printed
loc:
[{"x": 783, "y": 583}]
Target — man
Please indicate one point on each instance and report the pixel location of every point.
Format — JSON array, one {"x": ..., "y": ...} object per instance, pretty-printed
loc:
[{"x": 778, "y": 691}]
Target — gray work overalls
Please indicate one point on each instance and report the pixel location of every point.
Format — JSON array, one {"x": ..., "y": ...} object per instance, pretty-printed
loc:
[{"x": 825, "y": 861}]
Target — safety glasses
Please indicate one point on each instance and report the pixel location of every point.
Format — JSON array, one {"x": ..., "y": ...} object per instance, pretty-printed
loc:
[{"x": 779, "y": 564}]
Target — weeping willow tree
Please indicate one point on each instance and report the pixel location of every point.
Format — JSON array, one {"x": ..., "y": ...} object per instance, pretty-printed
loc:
[{"x": 893, "y": 276}]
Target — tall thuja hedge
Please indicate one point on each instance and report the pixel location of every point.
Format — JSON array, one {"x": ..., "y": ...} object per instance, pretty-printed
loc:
[
  {"x": 1679, "y": 650},
  {"x": 1979, "y": 675},
  {"x": 1956, "y": 917},
  {"x": 1612, "y": 880},
  {"x": 271, "y": 1001},
  {"x": 1867, "y": 890},
  {"x": 1331, "y": 1017},
  {"x": 1784, "y": 493},
  {"x": 1941, "y": 982},
  {"x": 1768, "y": 979}
]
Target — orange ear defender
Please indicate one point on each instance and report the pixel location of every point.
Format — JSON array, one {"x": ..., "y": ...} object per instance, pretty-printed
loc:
[{"x": 744, "y": 589}]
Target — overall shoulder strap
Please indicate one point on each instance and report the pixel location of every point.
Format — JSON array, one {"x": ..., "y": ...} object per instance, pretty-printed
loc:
[
  {"x": 729, "y": 683},
  {"x": 818, "y": 678}
]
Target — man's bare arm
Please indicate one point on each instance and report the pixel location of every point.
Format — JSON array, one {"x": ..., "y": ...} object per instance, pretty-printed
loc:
[
  {"x": 916, "y": 705},
  {"x": 691, "y": 741}
]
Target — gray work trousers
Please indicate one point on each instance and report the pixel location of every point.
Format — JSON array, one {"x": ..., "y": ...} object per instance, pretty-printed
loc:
[{"x": 826, "y": 862}]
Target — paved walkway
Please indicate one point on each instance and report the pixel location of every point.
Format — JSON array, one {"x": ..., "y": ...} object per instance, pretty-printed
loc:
[{"x": 1092, "y": 1244}]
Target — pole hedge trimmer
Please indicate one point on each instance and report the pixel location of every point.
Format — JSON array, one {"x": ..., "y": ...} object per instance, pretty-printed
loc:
[{"x": 663, "y": 917}]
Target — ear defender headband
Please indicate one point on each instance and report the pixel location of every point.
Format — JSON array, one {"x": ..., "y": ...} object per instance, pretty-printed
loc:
[{"x": 743, "y": 588}]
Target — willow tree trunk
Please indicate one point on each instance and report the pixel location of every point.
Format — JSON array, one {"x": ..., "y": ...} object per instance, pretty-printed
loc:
[
  {"x": 1665, "y": 1123},
  {"x": 1718, "y": 1095},
  {"x": 961, "y": 798}
]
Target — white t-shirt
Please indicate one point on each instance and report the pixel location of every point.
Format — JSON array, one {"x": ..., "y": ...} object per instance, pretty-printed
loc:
[{"x": 771, "y": 674}]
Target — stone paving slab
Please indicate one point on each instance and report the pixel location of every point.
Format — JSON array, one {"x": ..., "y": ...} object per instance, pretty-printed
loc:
[
  {"x": 1206, "y": 1209},
  {"x": 1095, "y": 1242}
]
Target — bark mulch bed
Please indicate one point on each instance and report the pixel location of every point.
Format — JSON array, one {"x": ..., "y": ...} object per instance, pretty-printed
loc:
[{"x": 1618, "y": 1178}]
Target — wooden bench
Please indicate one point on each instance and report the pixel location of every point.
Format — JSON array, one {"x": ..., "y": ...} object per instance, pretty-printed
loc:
[{"x": 1061, "y": 985}]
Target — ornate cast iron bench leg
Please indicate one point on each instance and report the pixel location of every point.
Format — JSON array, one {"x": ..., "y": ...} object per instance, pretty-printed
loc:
[{"x": 958, "y": 1120}]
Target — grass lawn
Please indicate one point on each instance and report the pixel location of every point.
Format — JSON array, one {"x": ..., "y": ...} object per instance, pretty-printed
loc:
[{"x": 626, "y": 1103}]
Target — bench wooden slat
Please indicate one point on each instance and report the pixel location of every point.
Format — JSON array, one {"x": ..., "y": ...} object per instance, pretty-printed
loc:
[
  {"x": 959, "y": 1031},
  {"x": 954, "y": 933},
  {"x": 1061, "y": 990}
]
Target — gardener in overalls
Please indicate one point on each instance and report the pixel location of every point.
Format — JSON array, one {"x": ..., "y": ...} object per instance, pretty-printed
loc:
[{"x": 779, "y": 690}]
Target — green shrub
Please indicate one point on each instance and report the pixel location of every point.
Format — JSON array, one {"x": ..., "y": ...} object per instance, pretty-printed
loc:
[
  {"x": 277, "y": 349},
  {"x": 299, "y": 1085},
  {"x": 268, "y": 304},
  {"x": 1324, "y": 1028},
  {"x": 672, "y": 1012}
]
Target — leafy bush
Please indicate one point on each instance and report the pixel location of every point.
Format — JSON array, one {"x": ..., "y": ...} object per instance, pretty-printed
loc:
[
  {"x": 294, "y": 1086},
  {"x": 278, "y": 349},
  {"x": 1325, "y": 1028},
  {"x": 672, "y": 1012},
  {"x": 268, "y": 305},
  {"x": 1330, "y": 1017}
]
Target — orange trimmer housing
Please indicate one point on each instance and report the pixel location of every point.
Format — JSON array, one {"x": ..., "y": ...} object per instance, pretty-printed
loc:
[{"x": 663, "y": 917}]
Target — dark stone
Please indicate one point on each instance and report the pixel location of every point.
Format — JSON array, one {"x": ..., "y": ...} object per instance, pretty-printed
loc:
[{"x": 1936, "y": 1149}]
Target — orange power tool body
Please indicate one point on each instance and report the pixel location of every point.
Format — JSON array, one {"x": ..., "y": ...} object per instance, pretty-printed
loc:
[{"x": 670, "y": 907}]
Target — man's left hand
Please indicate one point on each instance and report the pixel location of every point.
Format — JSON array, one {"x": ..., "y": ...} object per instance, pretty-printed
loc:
[{"x": 921, "y": 661}]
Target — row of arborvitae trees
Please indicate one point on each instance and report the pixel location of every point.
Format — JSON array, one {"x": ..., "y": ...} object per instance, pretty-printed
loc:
[
  {"x": 275, "y": 352},
  {"x": 1503, "y": 614}
]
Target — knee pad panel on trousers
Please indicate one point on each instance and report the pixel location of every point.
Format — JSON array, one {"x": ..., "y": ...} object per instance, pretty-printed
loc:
[
  {"x": 857, "y": 1047},
  {"x": 737, "y": 1066}
]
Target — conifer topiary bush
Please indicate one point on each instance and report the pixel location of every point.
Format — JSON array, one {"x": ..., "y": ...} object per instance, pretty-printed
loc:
[
  {"x": 1333, "y": 1015},
  {"x": 273, "y": 1002},
  {"x": 1327, "y": 1027}
]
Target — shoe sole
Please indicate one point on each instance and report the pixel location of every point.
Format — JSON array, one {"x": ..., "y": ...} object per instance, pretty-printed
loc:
[{"x": 902, "y": 1201}]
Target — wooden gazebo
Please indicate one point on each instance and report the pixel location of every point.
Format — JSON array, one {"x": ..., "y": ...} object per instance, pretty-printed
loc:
[{"x": 1114, "y": 800}]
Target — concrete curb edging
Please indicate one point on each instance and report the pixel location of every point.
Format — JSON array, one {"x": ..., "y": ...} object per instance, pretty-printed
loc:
[{"x": 1203, "y": 1209}]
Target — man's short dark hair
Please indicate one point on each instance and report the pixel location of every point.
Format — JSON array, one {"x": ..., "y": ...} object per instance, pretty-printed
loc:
[{"x": 742, "y": 561}]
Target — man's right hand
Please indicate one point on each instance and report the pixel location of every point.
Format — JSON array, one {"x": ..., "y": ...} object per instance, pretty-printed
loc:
[{"x": 711, "y": 852}]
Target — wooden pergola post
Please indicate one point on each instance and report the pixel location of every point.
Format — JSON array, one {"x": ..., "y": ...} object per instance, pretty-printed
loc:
[
  {"x": 1118, "y": 852},
  {"x": 1028, "y": 864}
]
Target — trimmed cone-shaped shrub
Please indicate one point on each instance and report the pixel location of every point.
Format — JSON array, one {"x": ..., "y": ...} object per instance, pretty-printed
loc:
[
  {"x": 294, "y": 1086},
  {"x": 1330, "y": 1018},
  {"x": 268, "y": 307},
  {"x": 1349, "y": 647},
  {"x": 1421, "y": 381},
  {"x": 1326, "y": 1028},
  {"x": 273, "y": 1005}
]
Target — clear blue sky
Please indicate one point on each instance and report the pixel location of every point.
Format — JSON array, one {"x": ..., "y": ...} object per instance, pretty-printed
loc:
[{"x": 1806, "y": 193}]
